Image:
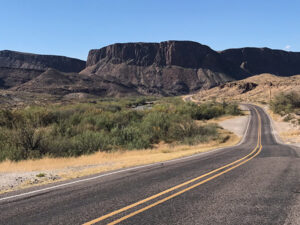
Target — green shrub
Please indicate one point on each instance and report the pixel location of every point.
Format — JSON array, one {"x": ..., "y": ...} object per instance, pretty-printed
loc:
[
  {"x": 41, "y": 175},
  {"x": 156, "y": 125},
  {"x": 288, "y": 117},
  {"x": 285, "y": 103},
  {"x": 131, "y": 137},
  {"x": 201, "y": 134},
  {"x": 105, "y": 124}
]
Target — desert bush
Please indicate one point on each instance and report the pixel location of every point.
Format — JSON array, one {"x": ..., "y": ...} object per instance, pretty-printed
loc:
[
  {"x": 131, "y": 137},
  {"x": 232, "y": 109},
  {"x": 201, "y": 134},
  {"x": 104, "y": 125},
  {"x": 88, "y": 142},
  {"x": 285, "y": 103}
]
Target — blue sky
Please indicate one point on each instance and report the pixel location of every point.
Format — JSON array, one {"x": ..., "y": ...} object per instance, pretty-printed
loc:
[{"x": 73, "y": 27}]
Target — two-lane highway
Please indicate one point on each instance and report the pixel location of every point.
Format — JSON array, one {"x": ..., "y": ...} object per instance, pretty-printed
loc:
[{"x": 256, "y": 182}]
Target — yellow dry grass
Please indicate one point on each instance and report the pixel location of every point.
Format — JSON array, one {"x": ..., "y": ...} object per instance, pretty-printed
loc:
[
  {"x": 292, "y": 133},
  {"x": 102, "y": 161},
  {"x": 68, "y": 168}
]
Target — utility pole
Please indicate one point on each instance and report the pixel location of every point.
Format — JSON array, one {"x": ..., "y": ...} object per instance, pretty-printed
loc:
[{"x": 270, "y": 91}]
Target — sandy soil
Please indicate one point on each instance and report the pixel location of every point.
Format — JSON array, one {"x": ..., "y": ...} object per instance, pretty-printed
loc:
[
  {"x": 27, "y": 173},
  {"x": 236, "y": 125},
  {"x": 11, "y": 180}
]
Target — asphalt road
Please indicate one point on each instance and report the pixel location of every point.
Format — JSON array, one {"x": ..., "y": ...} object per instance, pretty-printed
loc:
[{"x": 256, "y": 182}]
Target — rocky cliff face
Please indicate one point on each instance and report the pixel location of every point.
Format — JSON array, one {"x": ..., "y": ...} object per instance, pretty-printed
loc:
[
  {"x": 185, "y": 54},
  {"x": 180, "y": 67},
  {"x": 167, "y": 68},
  {"x": 17, "y": 67}
]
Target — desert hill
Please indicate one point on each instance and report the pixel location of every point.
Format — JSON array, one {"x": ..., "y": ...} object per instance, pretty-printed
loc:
[
  {"x": 18, "y": 67},
  {"x": 257, "y": 88},
  {"x": 59, "y": 83}
]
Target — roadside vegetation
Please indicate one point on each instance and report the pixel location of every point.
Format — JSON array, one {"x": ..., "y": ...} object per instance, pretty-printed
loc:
[
  {"x": 287, "y": 105},
  {"x": 106, "y": 125}
]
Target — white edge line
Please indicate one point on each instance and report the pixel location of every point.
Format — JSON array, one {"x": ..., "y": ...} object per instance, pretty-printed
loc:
[
  {"x": 274, "y": 132},
  {"x": 246, "y": 130},
  {"x": 128, "y": 169}
]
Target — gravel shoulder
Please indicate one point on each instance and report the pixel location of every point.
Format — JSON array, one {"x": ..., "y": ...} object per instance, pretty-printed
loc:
[{"x": 236, "y": 125}]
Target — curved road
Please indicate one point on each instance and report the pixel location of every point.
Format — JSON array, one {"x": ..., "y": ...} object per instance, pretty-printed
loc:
[{"x": 256, "y": 182}]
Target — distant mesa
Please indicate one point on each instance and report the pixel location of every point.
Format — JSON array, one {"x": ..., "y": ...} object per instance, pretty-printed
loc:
[{"x": 167, "y": 68}]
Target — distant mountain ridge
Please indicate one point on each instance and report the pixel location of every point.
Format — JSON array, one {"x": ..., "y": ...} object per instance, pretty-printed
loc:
[
  {"x": 21, "y": 60},
  {"x": 17, "y": 68},
  {"x": 264, "y": 60},
  {"x": 165, "y": 68}
]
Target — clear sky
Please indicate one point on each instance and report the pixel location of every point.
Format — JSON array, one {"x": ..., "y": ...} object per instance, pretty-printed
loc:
[{"x": 73, "y": 27}]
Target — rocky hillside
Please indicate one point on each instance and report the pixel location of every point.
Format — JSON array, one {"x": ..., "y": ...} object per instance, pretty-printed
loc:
[
  {"x": 59, "y": 83},
  {"x": 17, "y": 67},
  {"x": 259, "y": 88}
]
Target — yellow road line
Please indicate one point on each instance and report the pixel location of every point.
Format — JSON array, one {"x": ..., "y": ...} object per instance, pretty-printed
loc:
[
  {"x": 178, "y": 186},
  {"x": 180, "y": 192},
  {"x": 193, "y": 186}
]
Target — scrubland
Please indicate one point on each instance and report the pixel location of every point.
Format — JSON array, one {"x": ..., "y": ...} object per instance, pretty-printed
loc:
[{"x": 106, "y": 125}]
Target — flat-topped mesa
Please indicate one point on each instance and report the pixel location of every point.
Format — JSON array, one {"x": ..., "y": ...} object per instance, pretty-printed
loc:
[
  {"x": 186, "y": 54},
  {"x": 20, "y": 60},
  {"x": 167, "y": 68}
]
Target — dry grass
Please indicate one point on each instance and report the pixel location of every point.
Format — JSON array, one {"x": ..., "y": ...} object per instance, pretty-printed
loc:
[
  {"x": 68, "y": 168},
  {"x": 292, "y": 134},
  {"x": 101, "y": 161}
]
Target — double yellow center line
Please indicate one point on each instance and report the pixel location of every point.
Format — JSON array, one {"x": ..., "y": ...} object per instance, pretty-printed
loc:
[{"x": 229, "y": 167}]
